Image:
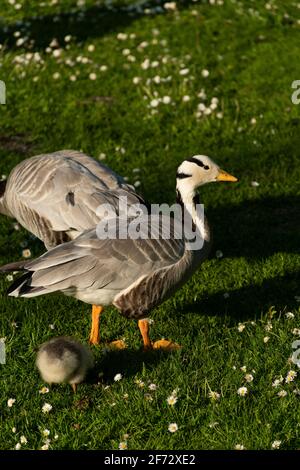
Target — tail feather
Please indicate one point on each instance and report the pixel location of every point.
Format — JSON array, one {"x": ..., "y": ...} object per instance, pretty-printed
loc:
[
  {"x": 16, "y": 266},
  {"x": 22, "y": 287}
]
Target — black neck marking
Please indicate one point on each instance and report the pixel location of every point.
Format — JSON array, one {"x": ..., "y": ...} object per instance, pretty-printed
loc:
[
  {"x": 196, "y": 199},
  {"x": 2, "y": 187}
]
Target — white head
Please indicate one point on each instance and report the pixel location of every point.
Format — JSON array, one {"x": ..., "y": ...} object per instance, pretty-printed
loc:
[{"x": 196, "y": 171}]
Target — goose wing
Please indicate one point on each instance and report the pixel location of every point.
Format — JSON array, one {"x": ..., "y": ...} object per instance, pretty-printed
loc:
[
  {"x": 88, "y": 263},
  {"x": 58, "y": 194}
]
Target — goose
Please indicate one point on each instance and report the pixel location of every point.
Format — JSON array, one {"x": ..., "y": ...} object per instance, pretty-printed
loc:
[
  {"x": 64, "y": 359},
  {"x": 134, "y": 274},
  {"x": 57, "y": 196}
]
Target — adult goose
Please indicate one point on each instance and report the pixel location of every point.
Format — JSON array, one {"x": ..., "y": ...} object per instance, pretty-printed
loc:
[
  {"x": 133, "y": 274},
  {"x": 57, "y": 196}
]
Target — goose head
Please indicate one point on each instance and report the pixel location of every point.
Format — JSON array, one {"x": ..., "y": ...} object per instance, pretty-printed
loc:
[{"x": 197, "y": 171}]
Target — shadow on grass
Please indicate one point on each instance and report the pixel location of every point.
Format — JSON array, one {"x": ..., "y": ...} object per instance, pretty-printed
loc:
[
  {"x": 247, "y": 303},
  {"x": 257, "y": 228},
  {"x": 129, "y": 361},
  {"x": 254, "y": 229},
  {"x": 81, "y": 23}
]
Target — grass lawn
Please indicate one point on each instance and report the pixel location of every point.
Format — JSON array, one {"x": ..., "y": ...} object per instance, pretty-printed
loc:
[{"x": 124, "y": 85}]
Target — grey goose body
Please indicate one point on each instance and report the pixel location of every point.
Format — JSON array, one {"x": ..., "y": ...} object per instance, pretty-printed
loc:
[{"x": 134, "y": 275}]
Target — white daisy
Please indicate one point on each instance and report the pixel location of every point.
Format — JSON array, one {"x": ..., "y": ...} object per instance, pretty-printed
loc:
[
  {"x": 290, "y": 315},
  {"x": 276, "y": 444},
  {"x": 172, "y": 400},
  {"x": 10, "y": 402},
  {"x": 173, "y": 427},
  {"x": 123, "y": 445},
  {"x": 46, "y": 408},
  {"x": 249, "y": 378},
  {"x": 242, "y": 391},
  {"x": 290, "y": 376}
]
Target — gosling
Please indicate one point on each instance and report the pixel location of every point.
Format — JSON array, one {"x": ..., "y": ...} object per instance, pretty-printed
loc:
[{"x": 64, "y": 359}]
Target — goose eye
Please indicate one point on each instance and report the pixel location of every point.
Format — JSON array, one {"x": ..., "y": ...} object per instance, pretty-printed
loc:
[{"x": 206, "y": 167}]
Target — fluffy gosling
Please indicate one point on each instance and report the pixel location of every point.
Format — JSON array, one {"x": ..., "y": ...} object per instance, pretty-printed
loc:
[{"x": 64, "y": 359}]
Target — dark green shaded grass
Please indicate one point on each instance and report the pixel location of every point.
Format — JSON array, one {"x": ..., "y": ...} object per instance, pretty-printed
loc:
[{"x": 252, "y": 61}]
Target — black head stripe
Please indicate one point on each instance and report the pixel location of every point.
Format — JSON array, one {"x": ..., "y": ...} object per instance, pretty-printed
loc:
[
  {"x": 181, "y": 176},
  {"x": 195, "y": 160},
  {"x": 198, "y": 162}
]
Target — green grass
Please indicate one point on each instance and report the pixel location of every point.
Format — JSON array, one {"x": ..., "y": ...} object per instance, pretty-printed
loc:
[{"x": 252, "y": 54}]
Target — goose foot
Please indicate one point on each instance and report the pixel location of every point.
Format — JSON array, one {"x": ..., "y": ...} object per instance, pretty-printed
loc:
[
  {"x": 166, "y": 345},
  {"x": 117, "y": 344}
]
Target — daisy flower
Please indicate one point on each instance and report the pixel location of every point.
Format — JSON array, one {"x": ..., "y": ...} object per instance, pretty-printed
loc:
[
  {"x": 239, "y": 447},
  {"x": 123, "y": 445},
  {"x": 249, "y": 378},
  {"x": 172, "y": 400},
  {"x": 242, "y": 391},
  {"x": 276, "y": 444},
  {"x": 154, "y": 103},
  {"x": 173, "y": 427},
  {"x": 282, "y": 393},
  {"x": 10, "y": 402},
  {"x": 290, "y": 376},
  {"x": 152, "y": 387},
  {"x": 26, "y": 253},
  {"x": 92, "y": 76},
  {"x": 139, "y": 383},
  {"x": 166, "y": 99},
  {"x": 46, "y": 408},
  {"x": 277, "y": 382},
  {"x": 289, "y": 315},
  {"x": 118, "y": 377}
]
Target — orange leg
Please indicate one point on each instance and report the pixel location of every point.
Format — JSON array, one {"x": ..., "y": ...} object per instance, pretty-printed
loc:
[
  {"x": 162, "y": 344},
  {"x": 144, "y": 329},
  {"x": 94, "y": 335}
]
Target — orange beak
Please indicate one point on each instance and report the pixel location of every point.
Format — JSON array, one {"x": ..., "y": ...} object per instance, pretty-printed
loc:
[{"x": 224, "y": 176}]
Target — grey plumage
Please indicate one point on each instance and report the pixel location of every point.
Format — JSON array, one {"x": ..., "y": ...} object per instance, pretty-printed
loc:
[
  {"x": 56, "y": 196},
  {"x": 63, "y": 359},
  {"x": 133, "y": 274}
]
